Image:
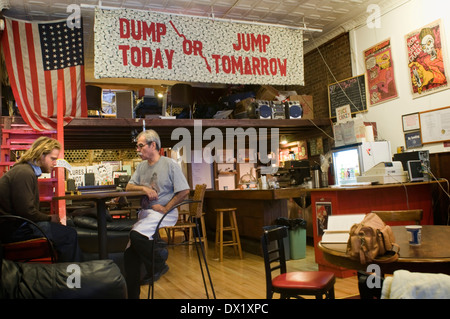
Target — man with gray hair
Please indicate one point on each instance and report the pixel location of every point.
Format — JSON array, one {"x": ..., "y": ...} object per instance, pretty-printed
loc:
[{"x": 162, "y": 179}]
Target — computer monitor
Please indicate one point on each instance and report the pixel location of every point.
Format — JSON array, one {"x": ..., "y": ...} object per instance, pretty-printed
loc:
[{"x": 415, "y": 171}]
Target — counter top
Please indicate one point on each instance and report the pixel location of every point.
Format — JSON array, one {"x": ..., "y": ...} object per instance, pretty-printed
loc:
[
  {"x": 260, "y": 194},
  {"x": 362, "y": 187},
  {"x": 292, "y": 192}
]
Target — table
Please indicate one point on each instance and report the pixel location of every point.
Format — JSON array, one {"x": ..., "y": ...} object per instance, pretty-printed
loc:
[
  {"x": 432, "y": 256},
  {"x": 363, "y": 200},
  {"x": 100, "y": 198}
]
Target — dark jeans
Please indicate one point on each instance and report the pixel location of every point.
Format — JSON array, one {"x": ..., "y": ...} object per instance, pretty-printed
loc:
[
  {"x": 140, "y": 251},
  {"x": 64, "y": 238}
]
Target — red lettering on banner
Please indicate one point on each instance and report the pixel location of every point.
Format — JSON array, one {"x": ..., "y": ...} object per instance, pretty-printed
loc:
[
  {"x": 141, "y": 30},
  {"x": 216, "y": 58},
  {"x": 158, "y": 60},
  {"x": 169, "y": 56},
  {"x": 124, "y": 49},
  {"x": 264, "y": 66},
  {"x": 247, "y": 66},
  {"x": 236, "y": 65},
  {"x": 282, "y": 67},
  {"x": 135, "y": 56},
  {"x": 145, "y": 57},
  {"x": 251, "y": 42},
  {"x": 255, "y": 66},
  {"x": 250, "y": 66}
]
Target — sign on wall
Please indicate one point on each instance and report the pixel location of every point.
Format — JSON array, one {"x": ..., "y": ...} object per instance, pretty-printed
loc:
[
  {"x": 380, "y": 73},
  {"x": 426, "y": 60},
  {"x": 148, "y": 45}
]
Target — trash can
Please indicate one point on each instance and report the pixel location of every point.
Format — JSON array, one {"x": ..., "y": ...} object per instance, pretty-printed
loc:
[{"x": 297, "y": 236}]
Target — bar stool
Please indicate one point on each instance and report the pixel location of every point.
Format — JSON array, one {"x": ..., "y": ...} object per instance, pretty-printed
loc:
[{"x": 235, "y": 242}]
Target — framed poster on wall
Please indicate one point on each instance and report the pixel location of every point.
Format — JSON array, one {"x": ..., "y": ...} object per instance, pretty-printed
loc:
[
  {"x": 426, "y": 60},
  {"x": 413, "y": 139},
  {"x": 380, "y": 73},
  {"x": 411, "y": 122},
  {"x": 435, "y": 125}
]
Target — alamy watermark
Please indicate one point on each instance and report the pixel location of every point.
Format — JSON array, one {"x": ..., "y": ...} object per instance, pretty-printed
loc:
[
  {"x": 74, "y": 278},
  {"x": 373, "y": 21},
  {"x": 257, "y": 141}
]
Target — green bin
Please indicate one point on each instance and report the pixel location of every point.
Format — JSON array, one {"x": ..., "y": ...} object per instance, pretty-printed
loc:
[
  {"x": 297, "y": 236},
  {"x": 297, "y": 243}
]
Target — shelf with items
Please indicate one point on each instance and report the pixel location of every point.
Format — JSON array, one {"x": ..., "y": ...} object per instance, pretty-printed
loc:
[
  {"x": 295, "y": 151},
  {"x": 15, "y": 141}
]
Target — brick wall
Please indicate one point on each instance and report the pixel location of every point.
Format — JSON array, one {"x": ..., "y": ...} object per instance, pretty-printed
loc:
[{"x": 336, "y": 54}]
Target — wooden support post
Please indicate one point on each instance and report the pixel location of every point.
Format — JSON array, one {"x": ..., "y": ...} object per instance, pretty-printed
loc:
[{"x": 60, "y": 173}]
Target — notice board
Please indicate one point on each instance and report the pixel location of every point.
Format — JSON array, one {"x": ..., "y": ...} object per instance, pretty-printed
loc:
[
  {"x": 435, "y": 125},
  {"x": 351, "y": 91}
]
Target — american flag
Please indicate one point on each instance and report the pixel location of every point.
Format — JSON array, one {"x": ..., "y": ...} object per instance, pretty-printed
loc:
[{"x": 37, "y": 55}]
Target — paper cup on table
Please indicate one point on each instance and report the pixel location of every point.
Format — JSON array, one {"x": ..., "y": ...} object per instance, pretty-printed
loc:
[{"x": 415, "y": 234}]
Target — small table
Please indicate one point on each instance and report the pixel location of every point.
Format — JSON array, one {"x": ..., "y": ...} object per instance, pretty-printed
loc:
[
  {"x": 100, "y": 198},
  {"x": 432, "y": 256}
]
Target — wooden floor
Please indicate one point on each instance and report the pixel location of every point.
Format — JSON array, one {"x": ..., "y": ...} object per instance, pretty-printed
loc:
[{"x": 232, "y": 279}]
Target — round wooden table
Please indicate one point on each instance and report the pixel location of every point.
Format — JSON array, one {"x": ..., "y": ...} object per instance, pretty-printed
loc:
[{"x": 432, "y": 256}]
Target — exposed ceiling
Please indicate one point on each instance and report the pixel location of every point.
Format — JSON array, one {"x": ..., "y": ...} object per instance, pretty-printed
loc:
[{"x": 333, "y": 17}]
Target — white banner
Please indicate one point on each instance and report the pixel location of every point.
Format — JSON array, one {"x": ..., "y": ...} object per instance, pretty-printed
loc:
[{"x": 148, "y": 45}]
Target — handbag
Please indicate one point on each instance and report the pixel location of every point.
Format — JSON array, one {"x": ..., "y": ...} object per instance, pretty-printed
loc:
[{"x": 372, "y": 241}]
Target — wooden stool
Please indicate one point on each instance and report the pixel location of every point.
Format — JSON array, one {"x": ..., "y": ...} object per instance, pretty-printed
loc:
[{"x": 235, "y": 242}]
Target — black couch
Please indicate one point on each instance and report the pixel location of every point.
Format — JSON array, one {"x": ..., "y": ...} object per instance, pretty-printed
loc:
[
  {"x": 85, "y": 223},
  {"x": 117, "y": 235},
  {"x": 98, "y": 279}
]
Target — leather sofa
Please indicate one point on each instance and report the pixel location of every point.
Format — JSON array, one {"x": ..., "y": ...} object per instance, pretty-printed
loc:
[
  {"x": 85, "y": 223},
  {"x": 98, "y": 279},
  {"x": 117, "y": 236}
]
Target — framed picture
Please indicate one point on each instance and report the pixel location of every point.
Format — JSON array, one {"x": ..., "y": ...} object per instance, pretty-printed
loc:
[
  {"x": 380, "y": 73},
  {"x": 413, "y": 139},
  {"x": 410, "y": 122},
  {"x": 426, "y": 59}
]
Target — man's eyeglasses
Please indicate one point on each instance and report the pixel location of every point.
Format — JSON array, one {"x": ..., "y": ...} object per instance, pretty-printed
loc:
[{"x": 140, "y": 145}]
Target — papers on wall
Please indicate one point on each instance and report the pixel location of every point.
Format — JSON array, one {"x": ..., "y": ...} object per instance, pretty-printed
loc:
[
  {"x": 103, "y": 173},
  {"x": 77, "y": 174}
]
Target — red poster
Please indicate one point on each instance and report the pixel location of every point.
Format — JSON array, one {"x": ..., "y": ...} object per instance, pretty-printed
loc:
[
  {"x": 380, "y": 73},
  {"x": 426, "y": 60}
]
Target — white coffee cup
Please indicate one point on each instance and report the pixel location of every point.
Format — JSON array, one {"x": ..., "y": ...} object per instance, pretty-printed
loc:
[{"x": 415, "y": 234}]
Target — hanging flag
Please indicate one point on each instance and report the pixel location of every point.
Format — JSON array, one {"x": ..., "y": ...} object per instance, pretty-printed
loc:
[{"x": 37, "y": 55}]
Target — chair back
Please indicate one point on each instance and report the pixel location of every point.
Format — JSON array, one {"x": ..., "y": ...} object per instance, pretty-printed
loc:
[
  {"x": 272, "y": 242},
  {"x": 414, "y": 215},
  {"x": 196, "y": 209},
  {"x": 40, "y": 249}
]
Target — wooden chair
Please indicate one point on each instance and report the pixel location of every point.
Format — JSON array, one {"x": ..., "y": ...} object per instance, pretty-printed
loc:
[
  {"x": 35, "y": 250},
  {"x": 188, "y": 224},
  {"x": 291, "y": 284},
  {"x": 414, "y": 215}
]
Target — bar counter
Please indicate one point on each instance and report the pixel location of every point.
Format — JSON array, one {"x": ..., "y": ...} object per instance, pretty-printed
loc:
[{"x": 255, "y": 209}]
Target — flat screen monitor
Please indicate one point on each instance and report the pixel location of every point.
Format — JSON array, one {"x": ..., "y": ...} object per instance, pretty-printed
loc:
[{"x": 415, "y": 171}]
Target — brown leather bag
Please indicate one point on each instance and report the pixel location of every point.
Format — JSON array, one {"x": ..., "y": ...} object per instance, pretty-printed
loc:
[{"x": 372, "y": 241}]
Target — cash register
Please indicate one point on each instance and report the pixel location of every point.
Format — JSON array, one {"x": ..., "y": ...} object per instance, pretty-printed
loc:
[{"x": 384, "y": 173}]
